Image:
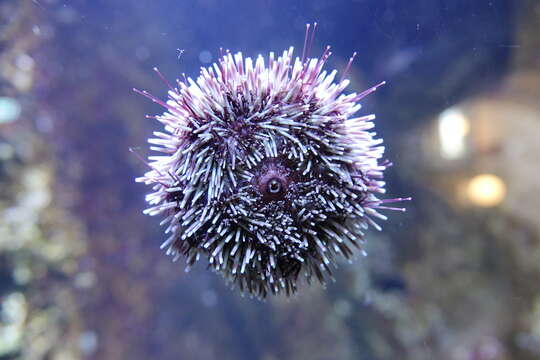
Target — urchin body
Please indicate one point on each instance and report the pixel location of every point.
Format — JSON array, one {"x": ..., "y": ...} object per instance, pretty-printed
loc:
[{"x": 265, "y": 171}]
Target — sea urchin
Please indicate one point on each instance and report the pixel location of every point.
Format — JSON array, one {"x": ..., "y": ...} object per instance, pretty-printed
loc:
[{"x": 265, "y": 171}]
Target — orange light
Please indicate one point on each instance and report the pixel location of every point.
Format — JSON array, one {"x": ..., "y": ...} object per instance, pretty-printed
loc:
[{"x": 486, "y": 190}]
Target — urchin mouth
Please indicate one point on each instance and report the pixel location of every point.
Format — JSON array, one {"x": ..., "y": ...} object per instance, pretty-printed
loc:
[
  {"x": 273, "y": 181},
  {"x": 273, "y": 185}
]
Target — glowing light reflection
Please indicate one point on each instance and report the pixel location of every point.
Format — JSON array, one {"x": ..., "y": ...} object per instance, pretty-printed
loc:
[
  {"x": 486, "y": 190},
  {"x": 453, "y": 128}
]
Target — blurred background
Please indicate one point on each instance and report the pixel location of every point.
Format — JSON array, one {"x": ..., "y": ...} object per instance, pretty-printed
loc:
[{"x": 456, "y": 277}]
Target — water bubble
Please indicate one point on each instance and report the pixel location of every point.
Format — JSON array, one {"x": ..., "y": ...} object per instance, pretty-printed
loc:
[
  {"x": 205, "y": 56},
  {"x": 209, "y": 298},
  {"x": 9, "y": 110}
]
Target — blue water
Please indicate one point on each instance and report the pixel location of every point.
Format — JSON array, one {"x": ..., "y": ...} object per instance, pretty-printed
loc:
[{"x": 439, "y": 281}]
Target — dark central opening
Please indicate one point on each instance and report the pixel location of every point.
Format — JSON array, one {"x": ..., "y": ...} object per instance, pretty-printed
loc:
[{"x": 274, "y": 186}]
